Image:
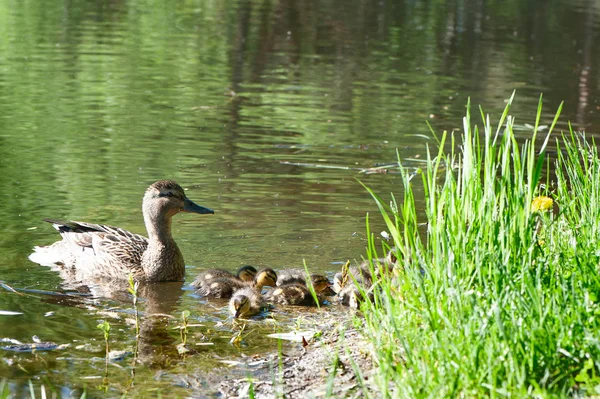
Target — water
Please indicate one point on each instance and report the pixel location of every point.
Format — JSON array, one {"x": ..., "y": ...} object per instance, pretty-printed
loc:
[{"x": 267, "y": 112}]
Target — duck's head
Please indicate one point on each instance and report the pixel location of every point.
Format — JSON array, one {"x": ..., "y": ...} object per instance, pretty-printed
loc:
[
  {"x": 167, "y": 197},
  {"x": 265, "y": 277},
  {"x": 320, "y": 282},
  {"x": 239, "y": 305},
  {"x": 246, "y": 273}
]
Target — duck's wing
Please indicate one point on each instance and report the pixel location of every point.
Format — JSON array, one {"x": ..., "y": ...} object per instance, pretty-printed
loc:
[{"x": 101, "y": 241}]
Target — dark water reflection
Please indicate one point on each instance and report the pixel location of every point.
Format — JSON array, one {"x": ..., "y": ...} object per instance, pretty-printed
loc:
[{"x": 266, "y": 111}]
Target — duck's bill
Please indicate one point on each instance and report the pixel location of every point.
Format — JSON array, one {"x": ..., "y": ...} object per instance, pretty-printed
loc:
[
  {"x": 189, "y": 206},
  {"x": 237, "y": 313}
]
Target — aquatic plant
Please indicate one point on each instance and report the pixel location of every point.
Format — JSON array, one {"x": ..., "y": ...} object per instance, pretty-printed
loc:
[
  {"x": 485, "y": 303},
  {"x": 310, "y": 286},
  {"x": 105, "y": 328},
  {"x": 236, "y": 338},
  {"x": 183, "y": 332},
  {"x": 4, "y": 392},
  {"x": 133, "y": 290}
]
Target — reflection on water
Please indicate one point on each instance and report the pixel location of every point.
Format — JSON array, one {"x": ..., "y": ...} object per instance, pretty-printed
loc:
[{"x": 267, "y": 111}]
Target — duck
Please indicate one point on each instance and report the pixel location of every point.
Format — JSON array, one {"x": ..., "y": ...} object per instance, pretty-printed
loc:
[
  {"x": 245, "y": 302},
  {"x": 102, "y": 251},
  {"x": 244, "y": 273},
  {"x": 225, "y": 287},
  {"x": 321, "y": 283},
  {"x": 295, "y": 294}
]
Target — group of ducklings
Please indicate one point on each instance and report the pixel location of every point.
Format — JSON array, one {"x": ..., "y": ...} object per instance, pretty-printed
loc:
[{"x": 290, "y": 287}]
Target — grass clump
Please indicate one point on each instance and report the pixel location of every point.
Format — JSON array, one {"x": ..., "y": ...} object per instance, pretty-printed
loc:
[{"x": 498, "y": 295}]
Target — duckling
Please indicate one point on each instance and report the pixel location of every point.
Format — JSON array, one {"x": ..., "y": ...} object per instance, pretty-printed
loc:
[
  {"x": 244, "y": 273},
  {"x": 291, "y": 276},
  {"x": 246, "y": 302},
  {"x": 352, "y": 296},
  {"x": 224, "y": 287},
  {"x": 291, "y": 294},
  {"x": 363, "y": 276},
  {"x": 380, "y": 266},
  {"x": 338, "y": 282},
  {"x": 365, "y": 273},
  {"x": 321, "y": 283},
  {"x": 360, "y": 273}
]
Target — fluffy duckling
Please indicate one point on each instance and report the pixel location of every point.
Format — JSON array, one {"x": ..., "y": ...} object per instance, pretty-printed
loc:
[
  {"x": 291, "y": 276},
  {"x": 246, "y": 302},
  {"x": 321, "y": 283},
  {"x": 382, "y": 266},
  {"x": 224, "y": 287},
  {"x": 363, "y": 276},
  {"x": 352, "y": 296},
  {"x": 244, "y": 273},
  {"x": 291, "y": 294}
]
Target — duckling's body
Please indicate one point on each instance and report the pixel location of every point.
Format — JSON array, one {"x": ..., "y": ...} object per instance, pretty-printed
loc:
[
  {"x": 222, "y": 287},
  {"x": 320, "y": 283},
  {"x": 291, "y": 294},
  {"x": 291, "y": 276},
  {"x": 225, "y": 287},
  {"x": 361, "y": 274},
  {"x": 360, "y": 279},
  {"x": 244, "y": 273},
  {"x": 95, "y": 250},
  {"x": 245, "y": 302},
  {"x": 352, "y": 296}
]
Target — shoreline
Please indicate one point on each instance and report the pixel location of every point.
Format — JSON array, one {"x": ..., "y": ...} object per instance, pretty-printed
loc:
[{"x": 308, "y": 372}]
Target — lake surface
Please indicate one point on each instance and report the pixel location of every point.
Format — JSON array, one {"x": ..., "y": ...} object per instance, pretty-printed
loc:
[{"x": 268, "y": 112}]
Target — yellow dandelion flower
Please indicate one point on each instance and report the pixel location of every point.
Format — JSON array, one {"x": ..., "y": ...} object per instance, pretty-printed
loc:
[{"x": 541, "y": 203}]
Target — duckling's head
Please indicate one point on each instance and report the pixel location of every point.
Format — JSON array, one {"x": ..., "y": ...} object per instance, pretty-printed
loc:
[
  {"x": 167, "y": 197},
  {"x": 338, "y": 282},
  {"x": 392, "y": 256},
  {"x": 320, "y": 282},
  {"x": 265, "y": 277},
  {"x": 239, "y": 305},
  {"x": 246, "y": 273}
]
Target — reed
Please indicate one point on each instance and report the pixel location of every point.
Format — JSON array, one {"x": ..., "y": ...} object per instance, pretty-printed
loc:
[
  {"x": 492, "y": 298},
  {"x": 105, "y": 328},
  {"x": 133, "y": 290}
]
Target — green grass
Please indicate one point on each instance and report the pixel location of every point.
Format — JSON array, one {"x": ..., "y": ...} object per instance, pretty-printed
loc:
[{"x": 494, "y": 300}]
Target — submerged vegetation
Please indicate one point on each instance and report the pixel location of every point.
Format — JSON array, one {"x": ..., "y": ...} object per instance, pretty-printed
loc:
[{"x": 498, "y": 296}]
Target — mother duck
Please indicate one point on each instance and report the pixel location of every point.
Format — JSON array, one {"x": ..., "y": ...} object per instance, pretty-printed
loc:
[{"x": 97, "y": 250}]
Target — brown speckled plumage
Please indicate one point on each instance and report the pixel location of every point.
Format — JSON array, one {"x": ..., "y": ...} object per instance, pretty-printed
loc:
[
  {"x": 320, "y": 282},
  {"x": 291, "y": 294},
  {"x": 244, "y": 273},
  {"x": 363, "y": 276},
  {"x": 96, "y": 250},
  {"x": 225, "y": 287}
]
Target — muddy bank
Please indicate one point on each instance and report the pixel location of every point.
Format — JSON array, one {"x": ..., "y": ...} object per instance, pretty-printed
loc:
[{"x": 327, "y": 365}]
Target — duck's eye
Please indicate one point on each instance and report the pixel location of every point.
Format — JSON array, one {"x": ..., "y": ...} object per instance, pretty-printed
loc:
[{"x": 169, "y": 194}]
